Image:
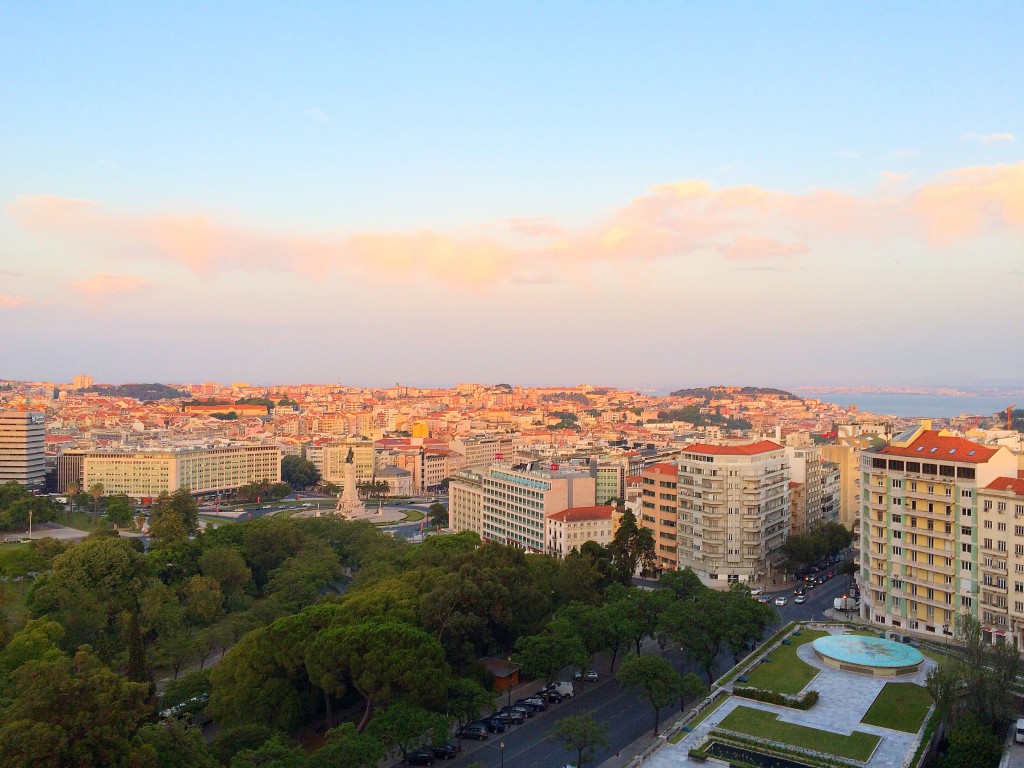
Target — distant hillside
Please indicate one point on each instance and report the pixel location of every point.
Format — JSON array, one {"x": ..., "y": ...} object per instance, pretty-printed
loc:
[
  {"x": 139, "y": 391},
  {"x": 719, "y": 393}
]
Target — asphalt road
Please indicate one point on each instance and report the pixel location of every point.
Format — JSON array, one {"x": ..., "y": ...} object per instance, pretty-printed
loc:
[{"x": 626, "y": 717}]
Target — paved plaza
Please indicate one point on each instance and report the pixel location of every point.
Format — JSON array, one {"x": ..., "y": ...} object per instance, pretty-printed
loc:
[{"x": 845, "y": 698}]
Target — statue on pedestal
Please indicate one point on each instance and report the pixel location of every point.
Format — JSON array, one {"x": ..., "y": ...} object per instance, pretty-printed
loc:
[{"x": 349, "y": 504}]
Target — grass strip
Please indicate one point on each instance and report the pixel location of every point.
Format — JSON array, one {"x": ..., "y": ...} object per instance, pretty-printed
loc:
[
  {"x": 900, "y": 706},
  {"x": 765, "y": 725},
  {"x": 786, "y": 673},
  {"x": 720, "y": 699}
]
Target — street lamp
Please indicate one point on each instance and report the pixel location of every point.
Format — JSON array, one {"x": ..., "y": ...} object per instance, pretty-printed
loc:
[{"x": 501, "y": 747}]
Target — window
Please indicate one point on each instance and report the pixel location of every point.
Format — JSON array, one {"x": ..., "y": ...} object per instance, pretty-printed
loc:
[
  {"x": 965, "y": 530},
  {"x": 966, "y": 601},
  {"x": 987, "y": 544},
  {"x": 988, "y": 524}
]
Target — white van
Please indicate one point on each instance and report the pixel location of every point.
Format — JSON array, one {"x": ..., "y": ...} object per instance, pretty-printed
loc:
[
  {"x": 563, "y": 688},
  {"x": 1018, "y": 735}
]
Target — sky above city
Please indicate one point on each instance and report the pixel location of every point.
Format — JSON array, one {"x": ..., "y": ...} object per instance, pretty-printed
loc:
[{"x": 637, "y": 194}]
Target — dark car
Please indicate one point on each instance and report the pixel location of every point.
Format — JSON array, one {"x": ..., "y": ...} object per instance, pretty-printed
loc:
[
  {"x": 799, "y": 591},
  {"x": 476, "y": 731},
  {"x": 552, "y": 696},
  {"x": 534, "y": 702},
  {"x": 496, "y": 724},
  {"x": 445, "y": 752},
  {"x": 421, "y": 757},
  {"x": 513, "y": 715}
]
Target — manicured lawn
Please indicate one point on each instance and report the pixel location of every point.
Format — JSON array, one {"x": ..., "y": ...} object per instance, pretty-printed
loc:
[
  {"x": 939, "y": 658},
  {"x": 765, "y": 725},
  {"x": 900, "y": 706},
  {"x": 786, "y": 673},
  {"x": 412, "y": 515}
]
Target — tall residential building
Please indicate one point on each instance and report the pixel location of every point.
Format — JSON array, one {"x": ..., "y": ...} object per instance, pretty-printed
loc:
[
  {"x": 1001, "y": 511},
  {"x": 813, "y": 489},
  {"x": 518, "y": 499},
  {"x": 733, "y": 510},
  {"x": 611, "y": 480},
  {"x": 23, "y": 448},
  {"x": 659, "y": 512},
  {"x": 81, "y": 382},
  {"x": 145, "y": 474},
  {"x": 923, "y": 535}
]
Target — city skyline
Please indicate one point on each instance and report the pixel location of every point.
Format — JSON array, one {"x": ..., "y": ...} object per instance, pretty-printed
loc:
[{"x": 776, "y": 196}]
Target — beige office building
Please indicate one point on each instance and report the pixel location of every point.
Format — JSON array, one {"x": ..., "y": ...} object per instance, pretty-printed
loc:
[
  {"x": 483, "y": 450},
  {"x": 466, "y": 502},
  {"x": 145, "y": 474},
  {"x": 23, "y": 448},
  {"x": 330, "y": 460},
  {"x": 518, "y": 499},
  {"x": 733, "y": 510}
]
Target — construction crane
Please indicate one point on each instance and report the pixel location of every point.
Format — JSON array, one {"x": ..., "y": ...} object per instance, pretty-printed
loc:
[{"x": 1009, "y": 416}]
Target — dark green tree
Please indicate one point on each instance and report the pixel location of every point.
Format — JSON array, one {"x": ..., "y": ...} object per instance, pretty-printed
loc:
[
  {"x": 344, "y": 746},
  {"x": 582, "y": 735},
  {"x": 408, "y": 727},
  {"x": 632, "y": 549},
  {"x": 299, "y": 473},
  {"x": 654, "y": 678},
  {"x": 172, "y": 743}
]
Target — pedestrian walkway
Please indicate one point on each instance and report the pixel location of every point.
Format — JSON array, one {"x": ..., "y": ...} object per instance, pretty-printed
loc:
[{"x": 845, "y": 698}]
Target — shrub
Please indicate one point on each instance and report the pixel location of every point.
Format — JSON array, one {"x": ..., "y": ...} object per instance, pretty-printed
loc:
[{"x": 806, "y": 701}]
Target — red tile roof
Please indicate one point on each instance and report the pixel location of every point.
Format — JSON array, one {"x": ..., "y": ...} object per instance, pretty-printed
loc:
[
  {"x": 750, "y": 449},
  {"x": 580, "y": 514},
  {"x": 1014, "y": 484},
  {"x": 663, "y": 468},
  {"x": 930, "y": 444}
]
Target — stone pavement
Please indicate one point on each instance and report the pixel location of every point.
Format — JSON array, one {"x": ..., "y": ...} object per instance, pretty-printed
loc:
[{"x": 845, "y": 699}]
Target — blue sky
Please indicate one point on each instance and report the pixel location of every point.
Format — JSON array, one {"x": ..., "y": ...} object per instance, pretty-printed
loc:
[{"x": 322, "y": 175}]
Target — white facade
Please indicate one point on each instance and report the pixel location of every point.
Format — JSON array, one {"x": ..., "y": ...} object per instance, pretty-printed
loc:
[{"x": 733, "y": 510}]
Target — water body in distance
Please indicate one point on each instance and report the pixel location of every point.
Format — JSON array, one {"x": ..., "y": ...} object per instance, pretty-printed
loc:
[{"x": 910, "y": 405}]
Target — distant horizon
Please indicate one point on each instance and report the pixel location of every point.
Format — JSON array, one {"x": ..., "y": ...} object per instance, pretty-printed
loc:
[{"x": 805, "y": 390}]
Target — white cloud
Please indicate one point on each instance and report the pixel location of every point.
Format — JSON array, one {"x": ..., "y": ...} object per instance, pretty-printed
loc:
[{"x": 991, "y": 138}]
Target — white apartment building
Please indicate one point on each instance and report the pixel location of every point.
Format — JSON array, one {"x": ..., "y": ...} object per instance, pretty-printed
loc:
[
  {"x": 733, "y": 510},
  {"x": 145, "y": 474},
  {"x": 572, "y": 528},
  {"x": 23, "y": 448},
  {"x": 518, "y": 499}
]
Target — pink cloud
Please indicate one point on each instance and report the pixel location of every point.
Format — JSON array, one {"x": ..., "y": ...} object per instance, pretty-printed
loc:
[
  {"x": 13, "y": 302},
  {"x": 103, "y": 285},
  {"x": 746, "y": 248},
  {"x": 685, "y": 219}
]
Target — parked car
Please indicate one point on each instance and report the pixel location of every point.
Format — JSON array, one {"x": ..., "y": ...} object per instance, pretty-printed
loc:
[
  {"x": 536, "y": 703},
  {"x": 781, "y": 601},
  {"x": 495, "y": 724},
  {"x": 476, "y": 731},
  {"x": 445, "y": 752},
  {"x": 511, "y": 715},
  {"x": 764, "y": 599},
  {"x": 552, "y": 697},
  {"x": 420, "y": 757},
  {"x": 590, "y": 676}
]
